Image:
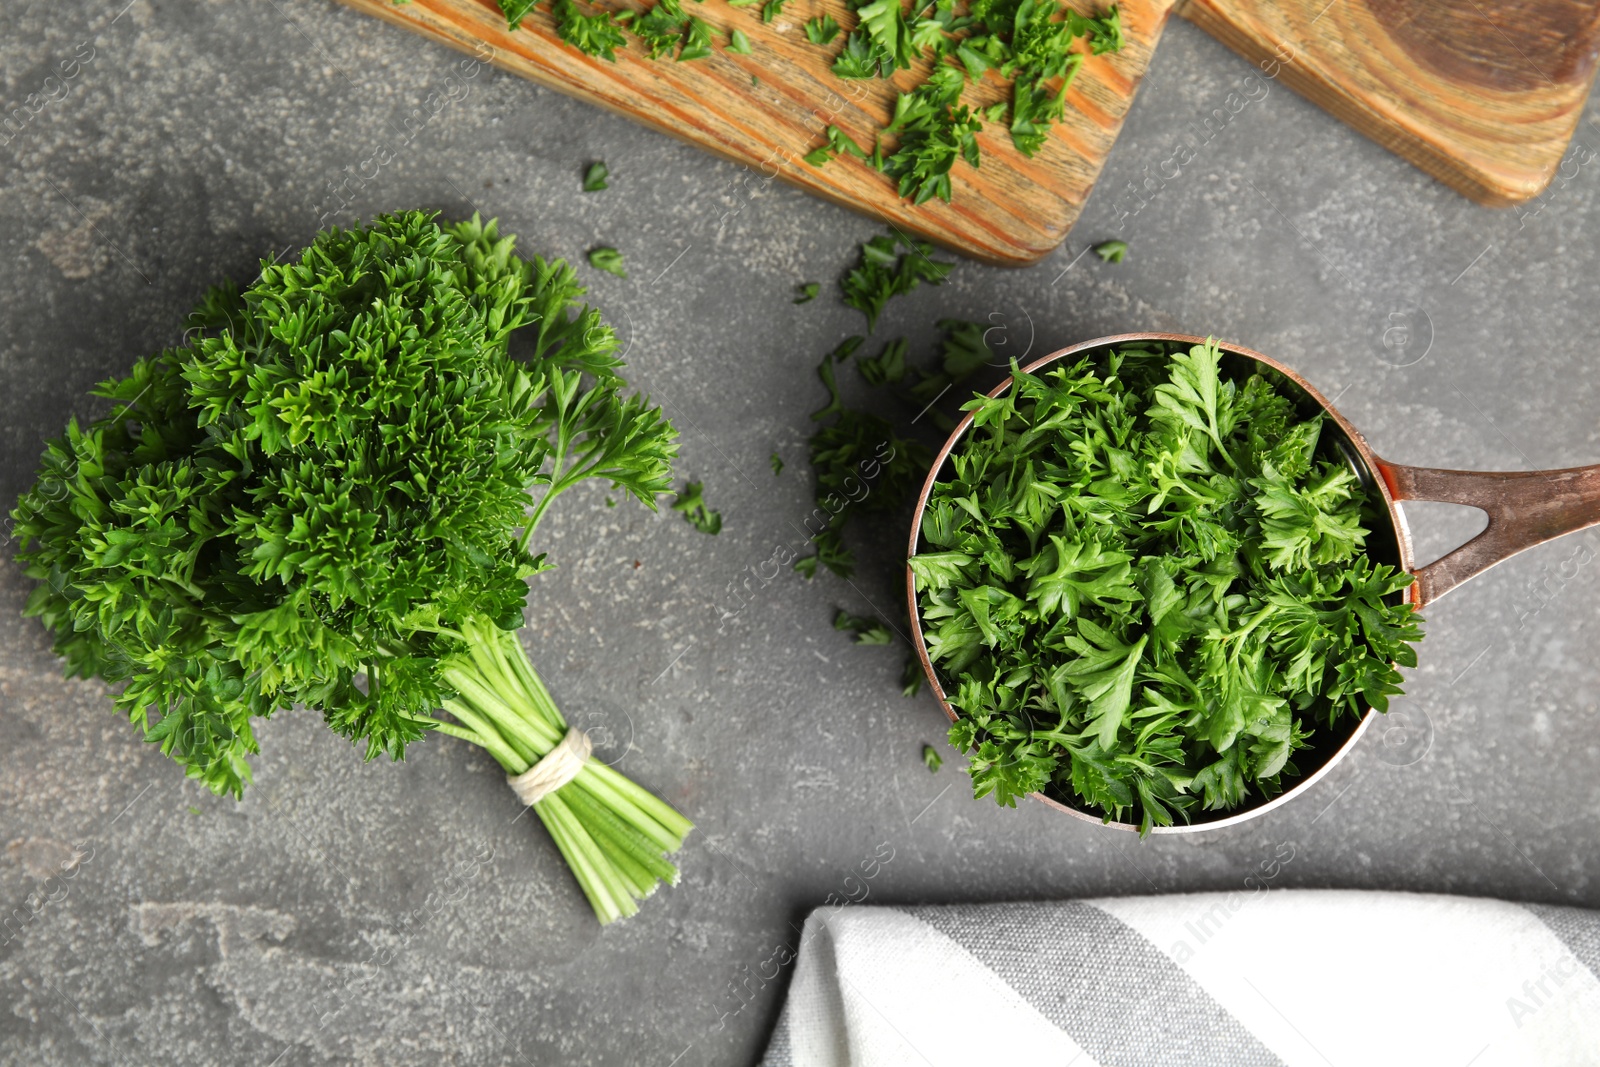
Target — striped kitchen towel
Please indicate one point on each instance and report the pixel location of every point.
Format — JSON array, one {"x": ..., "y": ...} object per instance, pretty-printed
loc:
[{"x": 1322, "y": 978}]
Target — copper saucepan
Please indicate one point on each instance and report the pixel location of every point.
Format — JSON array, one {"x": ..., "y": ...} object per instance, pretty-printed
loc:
[{"x": 1525, "y": 508}]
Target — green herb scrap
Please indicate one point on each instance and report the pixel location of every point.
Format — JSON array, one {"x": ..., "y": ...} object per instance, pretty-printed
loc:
[
  {"x": 853, "y": 475},
  {"x": 607, "y": 259},
  {"x": 935, "y": 130},
  {"x": 1146, "y": 587},
  {"x": 516, "y": 10},
  {"x": 866, "y": 631},
  {"x": 661, "y": 28},
  {"x": 860, "y": 462},
  {"x": 696, "y": 41},
  {"x": 1030, "y": 42},
  {"x": 890, "y": 265},
  {"x": 594, "y": 179},
  {"x": 888, "y": 367},
  {"x": 837, "y": 141},
  {"x": 776, "y": 462},
  {"x": 822, "y": 30},
  {"x": 806, "y": 292},
  {"x": 861, "y": 467},
  {"x": 691, "y": 503},
  {"x": 931, "y": 759},
  {"x": 962, "y": 354},
  {"x": 739, "y": 44},
  {"x": 1111, "y": 251},
  {"x": 593, "y": 35}
]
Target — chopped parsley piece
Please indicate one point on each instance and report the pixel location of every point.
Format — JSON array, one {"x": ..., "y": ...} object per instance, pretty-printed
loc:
[
  {"x": 808, "y": 292},
  {"x": 841, "y": 352},
  {"x": 884, "y": 23},
  {"x": 836, "y": 142},
  {"x": 594, "y": 179},
  {"x": 1111, "y": 251},
  {"x": 1034, "y": 109},
  {"x": 696, "y": 41},
  {"x": 661, "y": 28},
  {"x": 772, "y": 9},
  {"x": 691, "y": 503},
  {"x": 931, "y": 758},
  {"x": 935, "y": 130},
  {"x": 516, "y": 10},
  {"x": 866, "y": 631},
  {"x": 738, "y": 43},
  {"x": 593, "y": 35},
  {"x": 861, "y": 466},
  {"x": 608, "y": 260},
  {"x": 777, "y": 464},
  {"x": 822, "y": 30},
  {"x": 887, "y": 367},
  {"x": 884, "y": 271}
]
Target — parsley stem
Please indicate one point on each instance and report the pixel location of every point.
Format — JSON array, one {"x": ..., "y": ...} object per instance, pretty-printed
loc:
[
  {"x": 663, "y": 813},
  {"x": 489, "y": 738},
  {"x": 451, "y": 729},
  {"x": 1064, "y": 740},
  {"x": 606, "y": 908},
  {"x": 612, "y": 832},
  {"x": 533, "y": 519}
]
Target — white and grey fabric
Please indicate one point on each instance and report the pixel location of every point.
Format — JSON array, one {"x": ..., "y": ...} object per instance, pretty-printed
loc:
[{"x": 1320, "y": 978}]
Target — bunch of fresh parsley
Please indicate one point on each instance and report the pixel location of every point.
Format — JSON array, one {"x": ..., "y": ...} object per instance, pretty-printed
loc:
[
  {"x": 1144, "y": 587},
  {"x": 322, "y": 499}
]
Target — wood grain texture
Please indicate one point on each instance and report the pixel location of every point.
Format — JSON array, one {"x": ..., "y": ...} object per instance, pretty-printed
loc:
[
  {"x": 1012, "y": 210},
  {"x": 1482, "y": 94}
]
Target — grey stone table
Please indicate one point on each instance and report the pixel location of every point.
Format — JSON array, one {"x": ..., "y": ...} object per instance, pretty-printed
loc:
[{"x": 402, "y": 914}]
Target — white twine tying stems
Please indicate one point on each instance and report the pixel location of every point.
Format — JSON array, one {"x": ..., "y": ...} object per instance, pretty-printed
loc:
[{"x": 555, "y": 768}]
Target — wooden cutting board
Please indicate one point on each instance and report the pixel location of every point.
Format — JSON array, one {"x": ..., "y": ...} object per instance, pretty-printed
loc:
[
  {"x": 1482, "y": 94},
  {"x": 1011, "y": 210}
]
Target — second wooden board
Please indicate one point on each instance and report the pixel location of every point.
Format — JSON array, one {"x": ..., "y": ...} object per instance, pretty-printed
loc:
[{"x": 1482, "y": 94}]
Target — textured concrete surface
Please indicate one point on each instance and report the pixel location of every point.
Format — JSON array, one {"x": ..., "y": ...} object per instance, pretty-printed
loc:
[{"x": 401, "y": 914}]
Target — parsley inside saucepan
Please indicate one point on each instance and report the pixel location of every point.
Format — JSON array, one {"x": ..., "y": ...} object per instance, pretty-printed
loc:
[{"x": 1148, "y": 579}]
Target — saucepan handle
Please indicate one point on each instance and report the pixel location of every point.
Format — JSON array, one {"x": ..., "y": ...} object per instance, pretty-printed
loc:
[{"x": 1525, "y": 508}]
